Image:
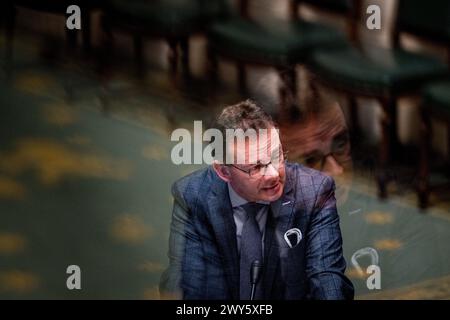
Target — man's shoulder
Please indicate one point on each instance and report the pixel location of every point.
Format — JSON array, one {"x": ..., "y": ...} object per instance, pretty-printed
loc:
[
  {"x": 309, "y": 182},
  {"x": 305, "y": 175},
  {"x": 193, "y": 183}
]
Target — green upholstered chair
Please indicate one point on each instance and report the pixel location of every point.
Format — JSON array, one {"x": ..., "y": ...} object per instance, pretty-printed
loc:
[
  {"x": 279, "y": 44},
  {"x": 173, "y": 20},
  {"x": 386, "y": 74},
  {"x": 435, "y": 103}
]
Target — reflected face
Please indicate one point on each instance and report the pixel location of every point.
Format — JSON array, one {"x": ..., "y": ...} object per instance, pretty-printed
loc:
[
  {"x": 322, "y": 143},
  {"x": 260, "y": 175},
  {"x": 330, "y": 153}
]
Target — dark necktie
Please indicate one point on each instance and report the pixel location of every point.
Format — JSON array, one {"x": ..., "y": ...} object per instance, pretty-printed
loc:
[{"x": 251, "y": 250}]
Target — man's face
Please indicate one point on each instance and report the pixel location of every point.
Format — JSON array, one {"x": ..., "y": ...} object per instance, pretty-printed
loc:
[
  {"x": 327, "y": 151},
  {"x": 322, "y": 143},
  {"x": 260, "y": 175}
]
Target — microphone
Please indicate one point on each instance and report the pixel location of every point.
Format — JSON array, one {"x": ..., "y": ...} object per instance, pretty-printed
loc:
[{"x": 255, "y": 274}]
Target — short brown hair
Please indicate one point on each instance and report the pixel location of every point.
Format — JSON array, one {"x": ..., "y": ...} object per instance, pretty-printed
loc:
[{"x": 244, "y": 115}]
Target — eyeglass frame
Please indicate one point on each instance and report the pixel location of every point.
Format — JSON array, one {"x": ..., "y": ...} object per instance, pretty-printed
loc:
[{"x": 265, "y": 166}]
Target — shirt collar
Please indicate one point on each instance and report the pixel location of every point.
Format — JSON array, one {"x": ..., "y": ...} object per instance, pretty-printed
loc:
[{"x": 237, "y": 200}]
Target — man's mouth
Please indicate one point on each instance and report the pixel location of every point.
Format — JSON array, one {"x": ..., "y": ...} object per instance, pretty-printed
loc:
[{"x": 273, "y": 188}]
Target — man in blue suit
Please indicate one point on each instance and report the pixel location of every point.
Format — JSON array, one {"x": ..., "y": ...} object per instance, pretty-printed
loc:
[{"x": 233, "y": 213}]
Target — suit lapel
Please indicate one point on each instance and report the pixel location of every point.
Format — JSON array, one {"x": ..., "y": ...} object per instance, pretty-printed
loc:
[{"x": 221, "y": 218}]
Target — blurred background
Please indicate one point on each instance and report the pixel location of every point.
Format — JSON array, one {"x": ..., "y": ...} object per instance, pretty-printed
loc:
[{"x": 86, "y": 117}]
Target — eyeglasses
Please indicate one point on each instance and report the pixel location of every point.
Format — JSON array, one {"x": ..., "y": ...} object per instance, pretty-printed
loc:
[
  {"x": 260, "y": 169},
  {"x": 340, "y": 150}
]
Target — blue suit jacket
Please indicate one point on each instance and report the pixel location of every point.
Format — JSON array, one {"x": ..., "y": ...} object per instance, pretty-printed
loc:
[{"x": 204, "y": 262}]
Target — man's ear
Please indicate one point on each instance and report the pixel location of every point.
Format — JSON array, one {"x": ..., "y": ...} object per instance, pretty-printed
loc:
[{"x": 222, "y": 171}]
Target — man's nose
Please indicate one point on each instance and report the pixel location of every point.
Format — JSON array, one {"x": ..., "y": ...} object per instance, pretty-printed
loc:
[
  {"x": 331, "y": 167},
  {"x": 271, "y": 171}
]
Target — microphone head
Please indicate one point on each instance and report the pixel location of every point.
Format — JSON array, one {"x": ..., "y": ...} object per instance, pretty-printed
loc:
[
  {"x": 256, "y": 264},
  {"x": 255, "y": 272}
]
